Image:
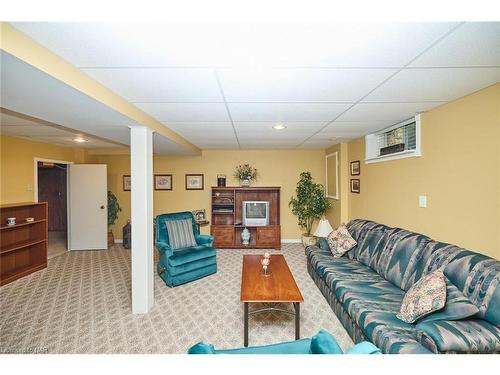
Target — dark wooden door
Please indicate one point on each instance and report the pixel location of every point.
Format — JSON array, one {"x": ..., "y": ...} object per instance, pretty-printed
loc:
[{"x": 52, "y": 189}]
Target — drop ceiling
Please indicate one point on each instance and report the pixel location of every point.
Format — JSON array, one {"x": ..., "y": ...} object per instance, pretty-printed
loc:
[{"x": 225, "y": 85}]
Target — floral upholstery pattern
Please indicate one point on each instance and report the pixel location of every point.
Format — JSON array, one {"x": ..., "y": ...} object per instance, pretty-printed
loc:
[
  {"x": 340, "y": 241},
  {"x": 426, "y": 296},
  {"x": 366, "y": 287}
]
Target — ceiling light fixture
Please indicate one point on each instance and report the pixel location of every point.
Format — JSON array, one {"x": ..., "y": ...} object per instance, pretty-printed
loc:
[
  {"x": 279, "y": 127},
  {"x": 80, "y": 140}
]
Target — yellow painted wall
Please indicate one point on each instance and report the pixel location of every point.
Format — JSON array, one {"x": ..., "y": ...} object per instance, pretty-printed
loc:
[
  {"x": 276, "y": 168},
  {"x": 17, "y": 165},
  {"x": 459, "y": 171}
]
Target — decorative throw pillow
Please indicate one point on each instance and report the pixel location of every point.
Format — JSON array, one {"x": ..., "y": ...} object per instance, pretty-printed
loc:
[
  {"x": 340, "y": 241},
  {"x": 457, "y": 306},
  {"x": 180, "y": 234},
  {"x": 426, "y": 296}
]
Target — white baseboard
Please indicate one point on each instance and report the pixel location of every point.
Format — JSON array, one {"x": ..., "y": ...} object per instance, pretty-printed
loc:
[
  {"x": 117, "y": 240},
  {"x": 291, "y": 240}
]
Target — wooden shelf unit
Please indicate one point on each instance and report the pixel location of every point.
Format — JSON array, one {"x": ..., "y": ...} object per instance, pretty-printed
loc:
[
  {"x": 227, "y": 220},
  {"x": 23, "y": 246}
]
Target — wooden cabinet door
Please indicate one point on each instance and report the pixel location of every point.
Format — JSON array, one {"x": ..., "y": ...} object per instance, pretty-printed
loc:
[
  {"x": 223, "y": 235},
  {"x": 269, "y": 236}
]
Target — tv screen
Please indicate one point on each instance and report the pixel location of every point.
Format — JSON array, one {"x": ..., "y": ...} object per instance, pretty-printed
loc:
[
  {"x": 256, "y": 210},
  {"x": 255, "y": 213}
]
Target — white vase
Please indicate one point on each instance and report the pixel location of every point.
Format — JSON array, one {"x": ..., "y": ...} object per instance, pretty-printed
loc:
[
  {"x": 245, "y": 236},
  {"x": 244, "y": 182}
]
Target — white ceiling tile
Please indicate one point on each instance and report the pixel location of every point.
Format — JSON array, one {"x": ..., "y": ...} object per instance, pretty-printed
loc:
[
  {"x": 160, "y": 84},
  {"x": 285, "y": 111},
  {"x": 185, "y": 112},
  {"x": 269, "y": 144},
  {"x": 236, "y": 44},
  {"x": 213, "y": 144},
  {"x": 440, "y": 84},
  {"x": 350, "y": 129},
  {"x": 200, "y": 128},
  {"x": 336, "y": 85},
  {"x": 472, "y": 44},
  {"x": 390, "y": 112}
]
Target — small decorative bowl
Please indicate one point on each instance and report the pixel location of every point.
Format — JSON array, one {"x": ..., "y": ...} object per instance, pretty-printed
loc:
[{"x": 30, "y": 219}]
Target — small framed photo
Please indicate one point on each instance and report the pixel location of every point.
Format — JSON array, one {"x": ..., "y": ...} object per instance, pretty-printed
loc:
[
  {"x": 200, "y": 215},
  {"x": 355, "y": 188},
  {"x": 355, "y": 168},
  {"x": 163, "y": 182},
  {"x": 127, "y": 182},
  {"x": 194, "y": 182}
]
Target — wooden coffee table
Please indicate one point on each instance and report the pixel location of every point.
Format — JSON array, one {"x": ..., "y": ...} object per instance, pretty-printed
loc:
[{"x": 279, "y": 287}]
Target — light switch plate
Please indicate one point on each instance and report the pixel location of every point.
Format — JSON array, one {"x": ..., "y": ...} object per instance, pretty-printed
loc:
[{"x": 422, "y": 201}]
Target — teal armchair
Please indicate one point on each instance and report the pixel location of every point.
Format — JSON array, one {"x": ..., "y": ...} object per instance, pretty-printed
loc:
[
  {"x": 321, "y": 343},
  {"x": 180, "y": 266}
]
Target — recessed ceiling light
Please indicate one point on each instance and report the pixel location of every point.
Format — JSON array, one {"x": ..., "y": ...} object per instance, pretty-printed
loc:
[
  {"x": 279, "y": 127},
  {"x": 80, "y": 140}
]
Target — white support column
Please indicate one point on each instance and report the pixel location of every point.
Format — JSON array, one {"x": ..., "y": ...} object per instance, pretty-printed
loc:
[{"x": 141, "y": 171}]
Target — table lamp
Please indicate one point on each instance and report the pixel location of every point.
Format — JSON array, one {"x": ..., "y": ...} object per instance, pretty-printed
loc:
[{"x": 324, "y": 229}]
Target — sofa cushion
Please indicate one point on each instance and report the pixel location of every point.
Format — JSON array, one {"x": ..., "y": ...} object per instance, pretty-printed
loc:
[
  {"x": 423, "y": 298},
  {"x": 324, "y": 343},
  {"x": 457, "y": 306},
  {"x": 478, "y": 277},
  {"x": 459, "y": 336},
  {"x": 388, "y": 332},
  {"x": 180, "y": 234},
  {"x": 341, "y": 287},
  {"x": 191, "y": 254}
]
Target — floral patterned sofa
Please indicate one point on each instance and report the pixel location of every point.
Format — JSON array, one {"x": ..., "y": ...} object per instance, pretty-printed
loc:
[{"x": 365, "y": 288}]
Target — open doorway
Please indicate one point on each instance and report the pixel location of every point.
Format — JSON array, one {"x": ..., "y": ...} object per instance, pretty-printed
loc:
[{"x": 52, "y": 188}]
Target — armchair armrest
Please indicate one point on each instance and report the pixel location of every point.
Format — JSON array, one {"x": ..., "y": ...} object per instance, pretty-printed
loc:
[
  {"x": 459, "y": 336},
  {"x": 164, "y": 247},
  {"x": 204, "y": 239}
]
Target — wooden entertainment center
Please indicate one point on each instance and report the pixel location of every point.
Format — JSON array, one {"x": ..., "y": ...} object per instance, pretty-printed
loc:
[{"x": 227, "y": 217}]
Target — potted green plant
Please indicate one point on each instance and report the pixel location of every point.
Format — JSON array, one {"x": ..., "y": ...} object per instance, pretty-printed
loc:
[
  {"x": 113, "y": 209},
  {"x": 309, "y": 205},
  {"x": 245, "y": 174}
]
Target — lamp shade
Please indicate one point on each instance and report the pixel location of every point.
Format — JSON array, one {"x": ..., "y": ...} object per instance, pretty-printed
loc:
[{"x": 324, "y": 228}]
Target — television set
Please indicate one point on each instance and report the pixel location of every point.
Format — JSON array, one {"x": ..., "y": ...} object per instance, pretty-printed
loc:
[{"x": 255, "y": 213}]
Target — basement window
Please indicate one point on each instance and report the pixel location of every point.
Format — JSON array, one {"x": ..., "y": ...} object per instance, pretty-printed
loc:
[{"x": 399, "y": 141}]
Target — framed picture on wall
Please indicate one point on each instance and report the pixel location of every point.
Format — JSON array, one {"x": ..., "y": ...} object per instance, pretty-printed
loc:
[
  {"x": 355, "y": 188},
  {"x": 200, "y": 215},
  {"x": 355, "y": 168},
  {"x": 127, "y": 182},
  {"x": 163, "y": 182},
  {"x": 194, "y": 182}
]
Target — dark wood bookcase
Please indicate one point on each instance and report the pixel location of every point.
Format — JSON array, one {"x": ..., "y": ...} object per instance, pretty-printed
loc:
[
  {"x": 227, "y": 220},
  {"x": 23, "y": 246}
]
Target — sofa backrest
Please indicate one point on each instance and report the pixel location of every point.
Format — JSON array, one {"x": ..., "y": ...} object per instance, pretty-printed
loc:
[
  {"x": 391, "y": 252},
  {"x": 403, "y": 257}
]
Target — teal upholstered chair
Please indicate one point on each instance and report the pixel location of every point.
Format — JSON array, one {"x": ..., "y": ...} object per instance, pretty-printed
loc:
[
  {"x": 321, "y": 343},
  {"x": 182, "y": 265}
]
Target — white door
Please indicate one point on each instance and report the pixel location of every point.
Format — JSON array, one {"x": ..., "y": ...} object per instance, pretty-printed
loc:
[{"x": 88, "y": 207}]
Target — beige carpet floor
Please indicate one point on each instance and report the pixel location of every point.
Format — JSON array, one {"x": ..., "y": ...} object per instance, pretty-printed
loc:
[{"x": 81, "y": 304}]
